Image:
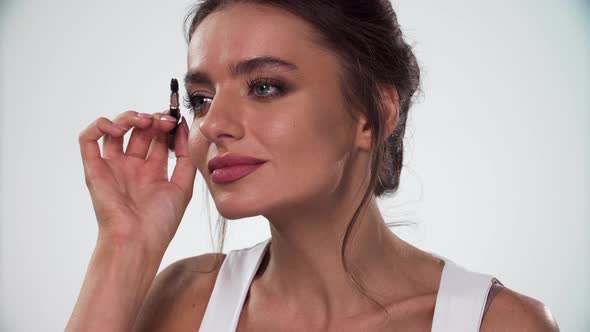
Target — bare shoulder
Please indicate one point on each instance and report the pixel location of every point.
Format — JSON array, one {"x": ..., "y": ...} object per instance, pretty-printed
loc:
[
  {"x": 512, "y": 311},
  {"x": 179, "y": 294}
]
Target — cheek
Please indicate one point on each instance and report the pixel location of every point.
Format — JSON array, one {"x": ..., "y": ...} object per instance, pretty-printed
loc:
[
  {"x": 309, "y": 148},
  {"x": 197, "y": 148}
]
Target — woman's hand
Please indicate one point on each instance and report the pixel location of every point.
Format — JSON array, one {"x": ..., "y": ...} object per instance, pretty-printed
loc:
[{"x": 133, "y": 199}]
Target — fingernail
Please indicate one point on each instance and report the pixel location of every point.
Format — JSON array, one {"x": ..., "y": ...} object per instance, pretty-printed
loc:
[
  {"x": 184, "y": 124},
  {"x": 168, "y": 118},
  {"x": 144, "y": 115}
]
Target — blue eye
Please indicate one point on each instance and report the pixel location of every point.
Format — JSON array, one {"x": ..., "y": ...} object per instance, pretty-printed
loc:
[
  {"x": 194, "y": 103},
  {"x": 262, "y": 82},
  {"x": 261, "y": 86}
]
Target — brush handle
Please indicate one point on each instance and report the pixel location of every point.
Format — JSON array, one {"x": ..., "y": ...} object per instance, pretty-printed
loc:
[{"x": 175, "y": 112}]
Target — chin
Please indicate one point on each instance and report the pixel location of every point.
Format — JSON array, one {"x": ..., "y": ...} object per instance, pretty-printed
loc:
[
  {"x": 231, "y": 208},
  {"x": 237, "y": 214}
]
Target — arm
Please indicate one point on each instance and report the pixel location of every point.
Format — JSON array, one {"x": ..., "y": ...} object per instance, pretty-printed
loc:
[
  {"x": 117, "y": 280},
  {"x": 138, "y": 209}
]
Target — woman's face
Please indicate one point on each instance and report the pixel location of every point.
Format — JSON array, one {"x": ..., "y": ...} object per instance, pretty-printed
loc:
[{"x": 296, "y": 121}]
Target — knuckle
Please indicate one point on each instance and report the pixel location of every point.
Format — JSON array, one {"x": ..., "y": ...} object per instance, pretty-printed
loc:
[
  {"x": 88, "y": 177},
  {"x": 127, "y": 115},
  {"x": 102, "y": 121},
  {"x": 88, "y": 182}
]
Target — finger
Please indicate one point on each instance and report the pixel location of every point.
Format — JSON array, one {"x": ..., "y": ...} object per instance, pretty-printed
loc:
[
  {"x": 184, "y": 172},
  {"x": 141, "y": 138},
  {"x": 89, "y": 148},
  {"x": 181, "y": 139},
  {"x": 89, "y": 137},
  {"x": 158, "y": 150},
  {"x": 113, "y": 146}
]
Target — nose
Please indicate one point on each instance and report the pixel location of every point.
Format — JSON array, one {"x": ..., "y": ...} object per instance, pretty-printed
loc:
[{"x": 222, "y": 120}]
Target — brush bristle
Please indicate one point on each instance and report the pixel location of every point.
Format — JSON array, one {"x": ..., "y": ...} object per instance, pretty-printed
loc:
[{"x": 174, "y": 85}]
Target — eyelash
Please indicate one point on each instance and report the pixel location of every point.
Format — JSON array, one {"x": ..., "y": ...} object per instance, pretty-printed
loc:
[{"x": 280, "y": 87}]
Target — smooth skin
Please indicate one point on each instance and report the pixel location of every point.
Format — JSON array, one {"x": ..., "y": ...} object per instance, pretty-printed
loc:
[{"x": 317, "y": 168}]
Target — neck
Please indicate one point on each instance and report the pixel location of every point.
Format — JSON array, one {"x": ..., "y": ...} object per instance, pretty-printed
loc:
[{"x": 303, "y": 266}]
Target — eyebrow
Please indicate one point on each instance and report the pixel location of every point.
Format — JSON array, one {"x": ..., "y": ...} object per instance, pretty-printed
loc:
[{"x": 241, "y": 68}]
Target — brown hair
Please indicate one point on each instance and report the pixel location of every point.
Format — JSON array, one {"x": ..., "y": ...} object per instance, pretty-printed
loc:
[{"x": 367, "y": 39}]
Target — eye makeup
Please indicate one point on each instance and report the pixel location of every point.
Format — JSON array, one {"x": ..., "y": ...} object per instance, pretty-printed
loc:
[{"x": 280, "y": 88}]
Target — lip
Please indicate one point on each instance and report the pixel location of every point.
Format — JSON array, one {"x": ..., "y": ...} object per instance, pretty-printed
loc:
[
  {"x": 230, "y": 167},
  {"x": 231, "y": 159},
  {"x": 232, "y": 173}
]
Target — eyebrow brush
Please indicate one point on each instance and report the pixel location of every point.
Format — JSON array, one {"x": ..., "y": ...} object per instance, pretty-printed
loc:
[{"x": 174, "y": 111}]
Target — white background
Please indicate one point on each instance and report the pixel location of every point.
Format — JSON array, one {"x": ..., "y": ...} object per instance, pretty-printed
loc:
[{"x": 498, "y": 145}]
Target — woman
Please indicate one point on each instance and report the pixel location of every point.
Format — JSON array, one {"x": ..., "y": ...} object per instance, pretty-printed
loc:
[{"x": 316, "y": 94}]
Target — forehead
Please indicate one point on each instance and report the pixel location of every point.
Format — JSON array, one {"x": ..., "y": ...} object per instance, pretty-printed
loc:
[{"x": 246, "y": 30}]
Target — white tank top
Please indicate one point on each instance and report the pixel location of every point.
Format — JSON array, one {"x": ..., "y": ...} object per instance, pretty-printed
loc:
[{"x": 460, "y": 301}]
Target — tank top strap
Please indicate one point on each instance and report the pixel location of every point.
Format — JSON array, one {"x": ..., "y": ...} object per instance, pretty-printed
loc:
[
  {"x": 461, "y": 299},
  {"x": 231, "y": 287}
]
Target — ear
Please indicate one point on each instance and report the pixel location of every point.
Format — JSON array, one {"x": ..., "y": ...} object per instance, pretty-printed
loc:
[{"x": 390, "y": 108}]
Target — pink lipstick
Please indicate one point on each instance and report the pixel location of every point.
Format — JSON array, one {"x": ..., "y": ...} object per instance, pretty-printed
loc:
[
  {"x": 230, "y": 167},
  {"x": 232, "y": 173}
]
